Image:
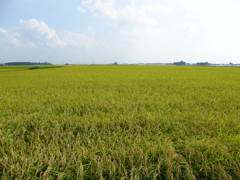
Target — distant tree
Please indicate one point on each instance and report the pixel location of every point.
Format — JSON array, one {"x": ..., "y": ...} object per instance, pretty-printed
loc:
[
  {"x": 180, "y": 63},
  {"x": 203, "y": 64},
  {"x": 115, "y": 63}
]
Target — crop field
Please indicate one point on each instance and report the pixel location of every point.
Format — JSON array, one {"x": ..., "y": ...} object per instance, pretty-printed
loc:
[{"x": 120, "y": 122}]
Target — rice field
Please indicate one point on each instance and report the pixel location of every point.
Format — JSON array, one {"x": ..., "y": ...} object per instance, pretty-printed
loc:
[{"x": 120, "y": 122}]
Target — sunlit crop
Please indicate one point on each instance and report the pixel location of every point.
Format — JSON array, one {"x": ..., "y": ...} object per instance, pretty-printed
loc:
[{"x": 113, "y": 122}]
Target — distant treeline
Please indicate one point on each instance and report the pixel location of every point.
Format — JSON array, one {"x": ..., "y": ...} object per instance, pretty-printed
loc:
[
  {"x": 25, "y": 63},
  {"x": 183, "y": 63},
  {"x": 178, "y": 63}
]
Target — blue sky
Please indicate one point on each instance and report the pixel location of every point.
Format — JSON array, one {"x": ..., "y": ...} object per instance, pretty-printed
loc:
[{"x": 127, "y": 31}]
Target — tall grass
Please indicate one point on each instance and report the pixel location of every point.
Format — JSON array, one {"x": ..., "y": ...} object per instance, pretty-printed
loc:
[{"x": 120, "y": 122}]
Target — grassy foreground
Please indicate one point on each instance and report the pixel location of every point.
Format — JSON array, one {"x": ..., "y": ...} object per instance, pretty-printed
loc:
[{"x": 120, "y": 122}]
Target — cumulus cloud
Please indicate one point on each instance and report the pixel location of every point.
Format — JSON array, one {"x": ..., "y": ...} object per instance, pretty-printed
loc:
[
  {"x": 131, "y": 13},
  {"x": 52, "y": 38},
  {"x": 11, "y": 38},
  {"x": 37, "y": 40},
  {"x": 136, "y": 30},
  {"x": 173, "y": 29},
  {"x": 44, "y": 32}
]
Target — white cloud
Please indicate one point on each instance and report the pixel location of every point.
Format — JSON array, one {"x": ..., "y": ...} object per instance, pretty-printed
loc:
[
  {"x": 137, "y": 30},
  {"x": 130, "y": 13},
  {"x": 175, "y": 29},
  {"x": 44, "y": 32},
  {"x": 52, "y": 38},
  {"x": 36, "y": 40},
  {"x": 11, "y": 38}
]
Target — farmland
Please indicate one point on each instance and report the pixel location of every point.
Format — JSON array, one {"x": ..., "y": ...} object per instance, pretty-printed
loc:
[{"x": 120, "y": 122}]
